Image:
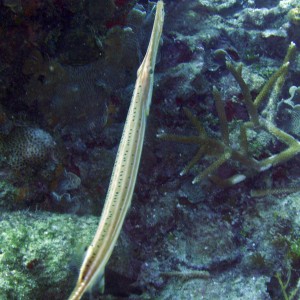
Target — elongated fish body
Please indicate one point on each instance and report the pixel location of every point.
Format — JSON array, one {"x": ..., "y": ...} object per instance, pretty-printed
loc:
[{"x": 125, "y": 169}]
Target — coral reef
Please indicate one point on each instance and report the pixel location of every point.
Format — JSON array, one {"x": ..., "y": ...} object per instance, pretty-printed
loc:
[
  {"x": 294, "y": 16},
  {"x": 67, "y": 70},
  {"x": 26, "y": 147},
  {"x": 225, "y": 149},
  {"x": 288, "y": 112},
  {"x": 40, "y": 254},
  {"x": 28, "y": 166}
]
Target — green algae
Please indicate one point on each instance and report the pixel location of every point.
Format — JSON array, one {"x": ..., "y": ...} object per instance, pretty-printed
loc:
[{"x": 37, "y": 253}]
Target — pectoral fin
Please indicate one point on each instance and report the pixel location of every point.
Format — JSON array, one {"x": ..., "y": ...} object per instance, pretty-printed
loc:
[{"x": 97, "y": 285}]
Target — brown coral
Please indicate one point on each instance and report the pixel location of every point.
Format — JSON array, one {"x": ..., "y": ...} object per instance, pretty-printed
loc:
[{"x": 26, "y": 146}]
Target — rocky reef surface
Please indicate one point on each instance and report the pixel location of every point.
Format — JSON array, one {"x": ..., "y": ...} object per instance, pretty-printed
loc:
[{"x": 67, "y": 70}]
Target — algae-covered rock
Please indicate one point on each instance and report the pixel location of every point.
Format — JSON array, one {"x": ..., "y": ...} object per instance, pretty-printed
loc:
[
  {"x": 37, "y": 253},
  {"x": 8, "y": 195},
  {"x": 216, "y": 5},
  {"x": 41, "y": 254}
]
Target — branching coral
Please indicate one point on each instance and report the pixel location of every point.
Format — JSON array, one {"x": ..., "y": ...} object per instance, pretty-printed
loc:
[
  {"x": 223, "y": 149},
  {"x": 287, "y": 295}
]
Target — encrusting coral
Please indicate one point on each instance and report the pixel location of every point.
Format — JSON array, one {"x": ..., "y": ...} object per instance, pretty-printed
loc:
[{"x": 224, "y": 149}]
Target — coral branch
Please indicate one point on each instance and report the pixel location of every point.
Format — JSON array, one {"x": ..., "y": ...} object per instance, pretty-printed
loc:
[{"x": 225, "y": 150}]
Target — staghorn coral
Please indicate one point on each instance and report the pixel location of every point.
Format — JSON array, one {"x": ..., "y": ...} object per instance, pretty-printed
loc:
[
  {"x": 287, "y": 292},
  {"x": 224, "y": 149},
  {"x": 294, "y": 16}
]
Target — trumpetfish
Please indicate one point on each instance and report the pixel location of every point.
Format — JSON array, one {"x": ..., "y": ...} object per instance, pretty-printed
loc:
[{"x": 123, "y": 178}]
